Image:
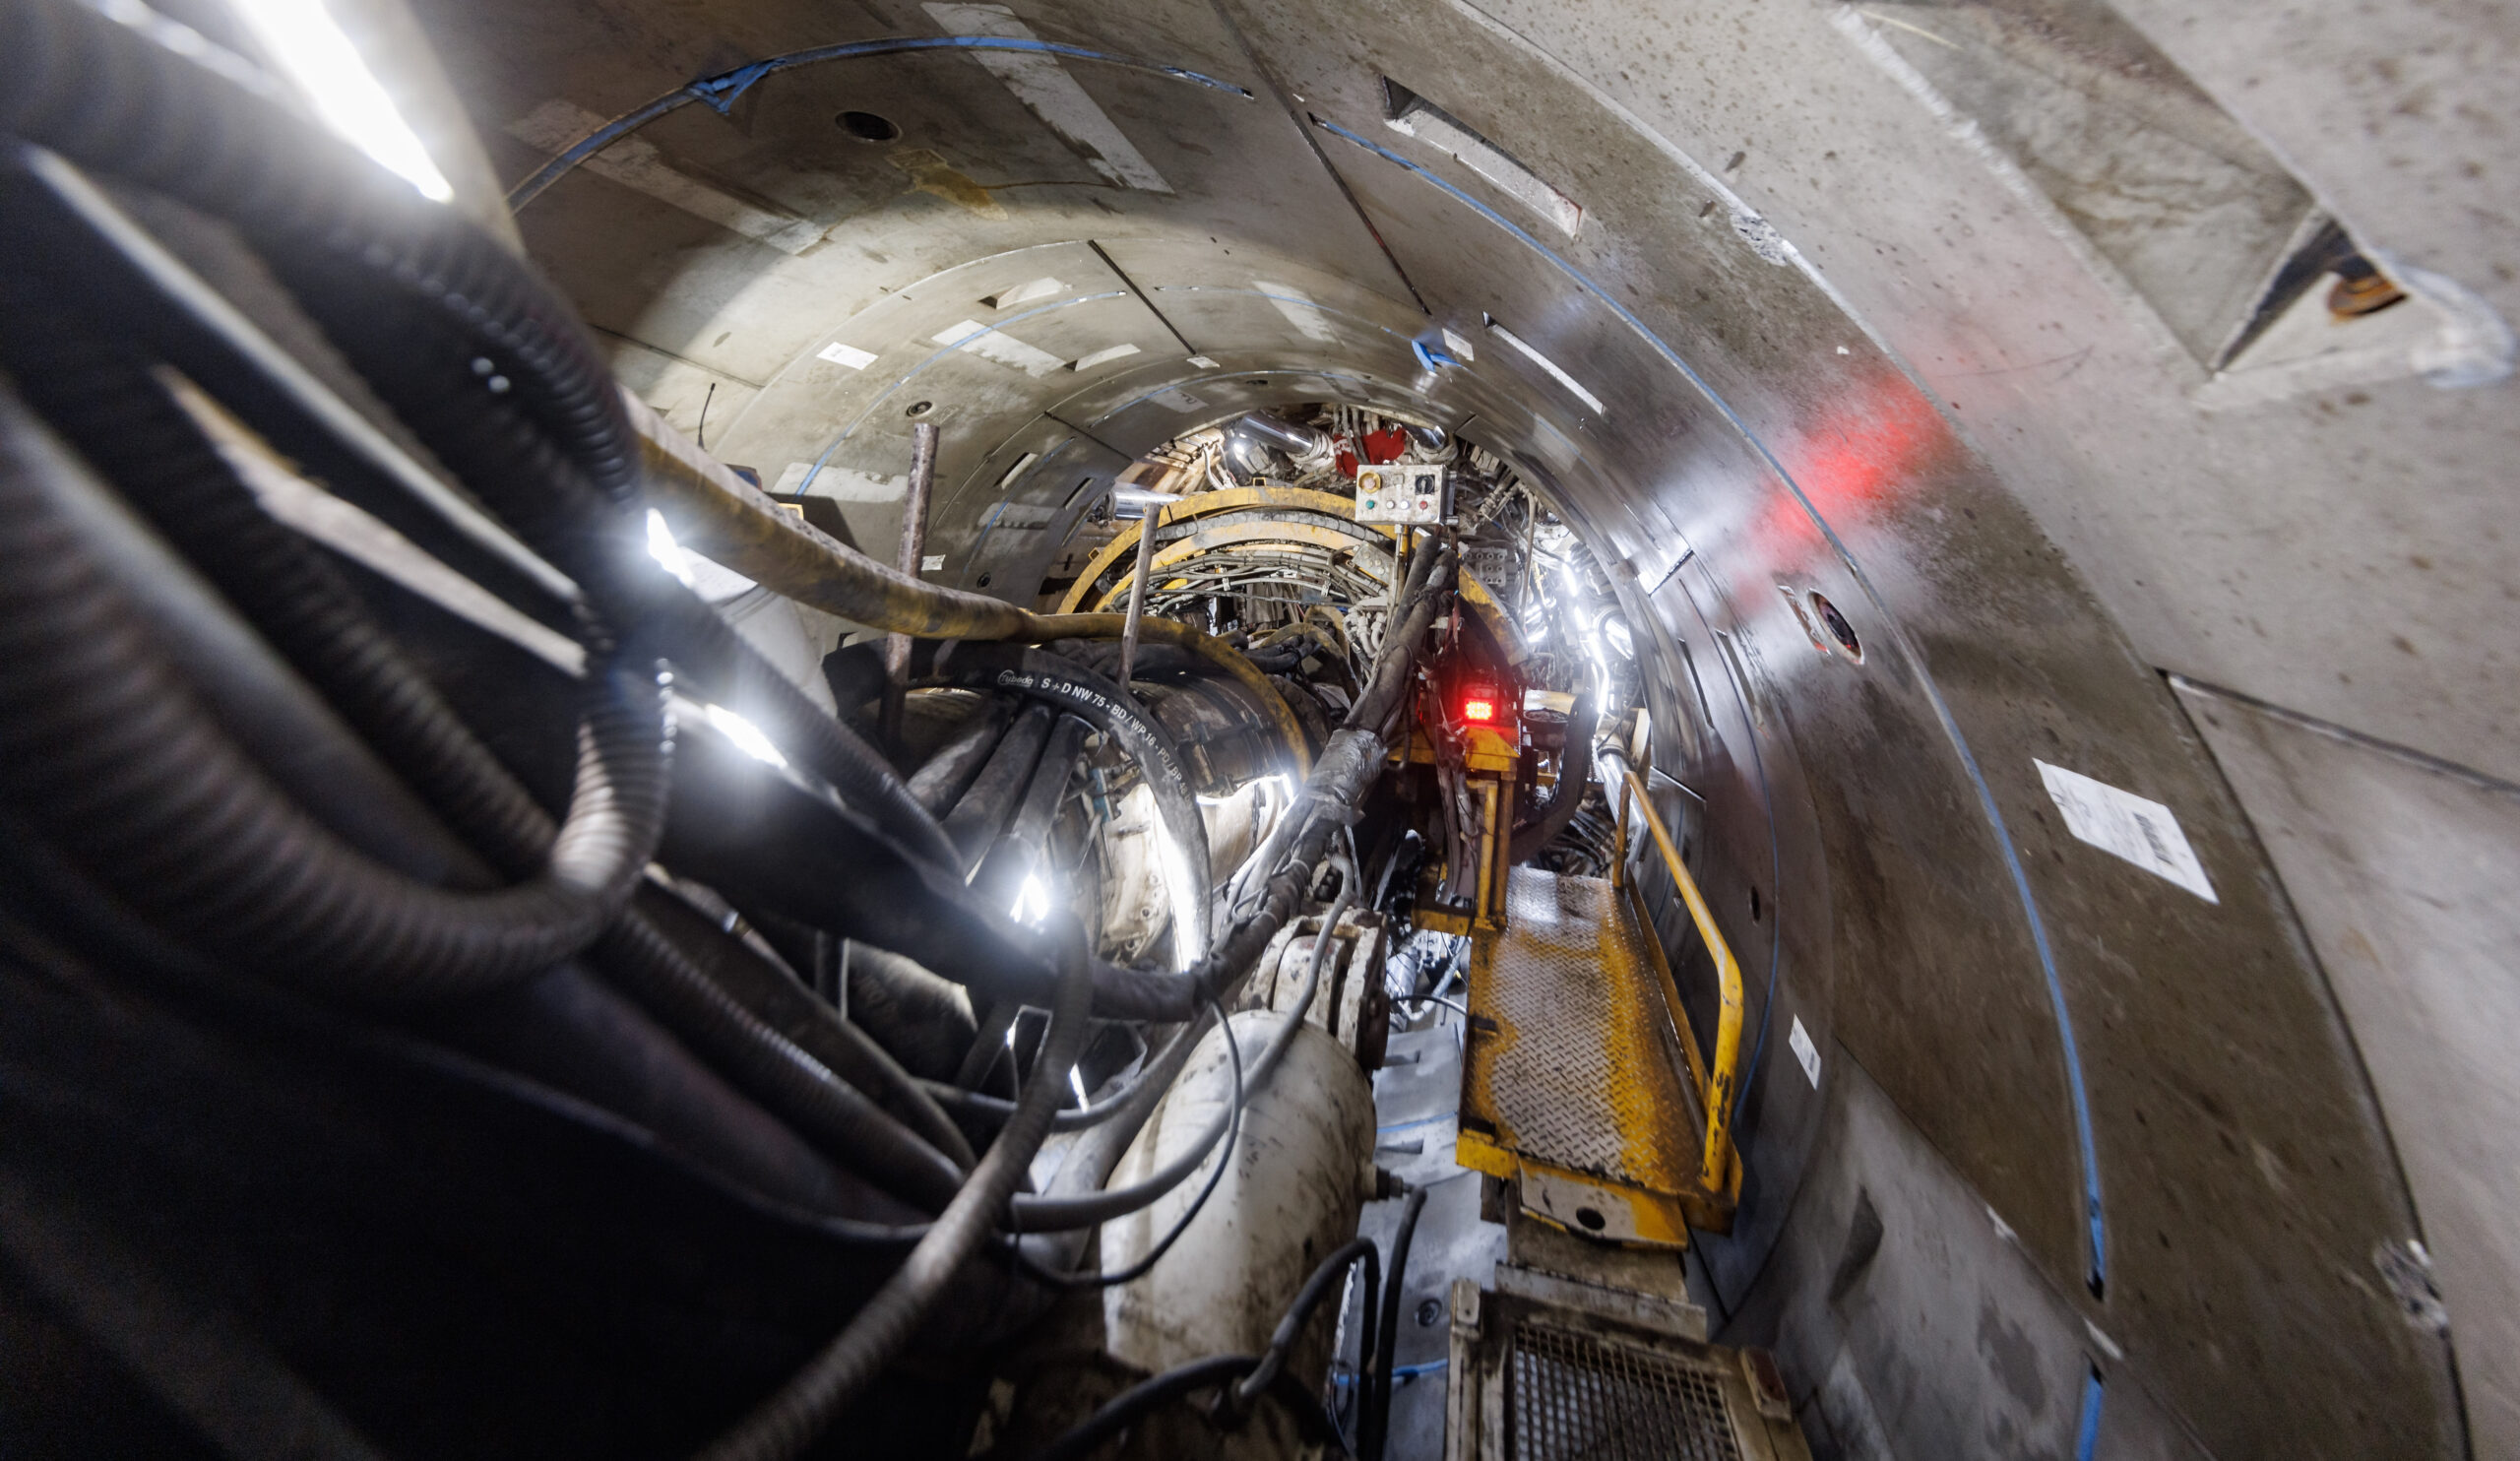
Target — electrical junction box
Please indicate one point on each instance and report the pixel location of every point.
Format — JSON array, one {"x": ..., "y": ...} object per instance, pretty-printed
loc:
[{"x": 1403, "y": 492}]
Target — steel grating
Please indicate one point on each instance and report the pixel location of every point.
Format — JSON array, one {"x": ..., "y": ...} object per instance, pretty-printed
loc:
[
  {"x": 1575, "y": 1397},
  {"x": 1573, "y": 1062}
]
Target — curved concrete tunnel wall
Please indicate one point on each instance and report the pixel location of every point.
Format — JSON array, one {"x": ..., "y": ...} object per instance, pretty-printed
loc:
[{"x": 1838, "y": 337}]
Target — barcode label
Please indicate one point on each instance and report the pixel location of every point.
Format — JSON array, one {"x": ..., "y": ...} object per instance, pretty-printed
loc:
[{"x": 2125, "y": 825}]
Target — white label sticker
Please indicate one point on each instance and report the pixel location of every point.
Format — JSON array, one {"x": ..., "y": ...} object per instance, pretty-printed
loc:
[
  {"x": 2125, "y": 825},
  {"x": 1202, "y": 363},
  {"x": 845, "y": 355},
  {"x": 1178, "y": 399},
  {"x": 1805, "y": 1051},
  {"x": 931, "y": 563}
]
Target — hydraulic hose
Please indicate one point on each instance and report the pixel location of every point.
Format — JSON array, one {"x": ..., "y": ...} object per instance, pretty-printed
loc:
[
  {"x": 772, "y": 1068},
  {"x": 973, "y": 823},
  {"x": 1051, "y": 1214},
  {"x": 1154, "y": 1072},
  {"x": 1101, "y": 702},
  {"x": 1373, "y": 1418},
  {"x": 1059, "y": 1279},
  {"x": 1308, "y": 1298},
  {"x": 1142, "y": 1399},
  {"x": 922, "y": 1018},
  {"x": 105, "y": 746},
  {"x": 790, "y": 1421},
  {"x": 941, "y": 782},
  {"x": 1347, "y": 766},
  {"x": 1018, "y": 851},
  {"x": 1574, "y": 777},
  {"x": 1248, "y": 1374},
  {"x": 773, "y": 994}
]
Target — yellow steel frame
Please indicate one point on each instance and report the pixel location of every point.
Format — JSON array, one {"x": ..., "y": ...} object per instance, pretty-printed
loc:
[
  {"x": 1492, "y": 616},
  {"x": 1722, "y": 1079}
]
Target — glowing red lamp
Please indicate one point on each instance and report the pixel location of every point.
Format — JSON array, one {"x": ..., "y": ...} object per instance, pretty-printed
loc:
[{"x": 1481, "y": 705}]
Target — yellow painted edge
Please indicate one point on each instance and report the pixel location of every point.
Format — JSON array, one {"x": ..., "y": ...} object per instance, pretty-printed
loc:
[
  {"x": 1478, "y": 1154},
  {"x": 1657, "y": 1216}
]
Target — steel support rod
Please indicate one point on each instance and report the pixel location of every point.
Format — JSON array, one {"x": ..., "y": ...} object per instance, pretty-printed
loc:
[
  {"x": 922, "y": 478},
  {"x": 1152, "y": 520}
]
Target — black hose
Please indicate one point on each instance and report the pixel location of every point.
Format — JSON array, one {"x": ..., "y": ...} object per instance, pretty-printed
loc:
[
  {"x": 117, "y": 97},
  {"x": 486, "y": 363},
  {"x": 770, "y": 1067},
  {"x": 1574, "y": 779},
  {"x": 1373, "y": 1418},
  {"x": 973, "y": 823},
  {"x": 1216, "y": 1175},
  {"x": 105, "y": 746},
  {"x": 1114, "y": 711},
  {"x": 1050, "y": 1213},
  {"x": 941, "y": 782},
  {"x": 790, "y": 1421},
  {"x": 1249, "y": 1375},
  {"x": 1308, "y": 1298},
  {"x": 923, "y": 1018},
  {"x": 1161, "y": 1064},
  {"x": 729, "y": 670},
  {"x": 1019, "y": 850},
  {"x": 1130, "y": 1405},
  {"x": 122, "y": 420},
  {"x": 775, "y": 995}
]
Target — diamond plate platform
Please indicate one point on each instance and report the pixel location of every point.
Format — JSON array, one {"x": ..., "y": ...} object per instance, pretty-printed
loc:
[{"x": 1576, "y": 1083}]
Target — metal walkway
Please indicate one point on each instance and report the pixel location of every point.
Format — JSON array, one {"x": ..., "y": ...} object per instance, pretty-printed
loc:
[{"x": 1579, "y": 1082}]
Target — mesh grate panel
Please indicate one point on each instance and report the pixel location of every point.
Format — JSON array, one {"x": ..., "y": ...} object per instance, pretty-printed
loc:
[{"x": 1571, "y": 1397}]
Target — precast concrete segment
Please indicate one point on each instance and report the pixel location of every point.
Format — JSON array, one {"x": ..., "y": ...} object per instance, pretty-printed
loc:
[{"x": 2086, "y": 1143}]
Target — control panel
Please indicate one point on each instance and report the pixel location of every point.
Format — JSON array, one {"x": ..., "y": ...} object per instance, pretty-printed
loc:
[{"x": 1403, "y": 492}]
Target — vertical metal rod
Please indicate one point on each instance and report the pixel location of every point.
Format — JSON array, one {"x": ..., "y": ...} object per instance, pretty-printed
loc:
[
  {"x": 1619, "y": 842},
  {"x": 1146, "y": 524},
  {"x": 1531, "y": 538},
  {"x": 922, "y": 477}
]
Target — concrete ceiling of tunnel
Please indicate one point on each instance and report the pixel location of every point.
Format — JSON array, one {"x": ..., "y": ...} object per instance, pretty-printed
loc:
[
  {"x": 2231, "y": 545},
  {"x": 2239, "y": 547},
  {"x": 1890, "y": 316}
]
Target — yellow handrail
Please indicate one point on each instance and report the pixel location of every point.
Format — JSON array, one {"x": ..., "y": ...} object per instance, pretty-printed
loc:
[{"x": 1728, "y": 1026}]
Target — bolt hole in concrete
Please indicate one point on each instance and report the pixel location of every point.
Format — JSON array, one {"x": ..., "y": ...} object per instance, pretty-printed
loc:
[
  {"x": 865, "y": 126},
  {"x": 984, "y": 581},
  {"x": 920, "y": 408},
  {"x": 1754, "y": 905},
  {"x": 1428, "y": 1313},
  {"x": 1592, "y": 1219},
  {"x": 1839, "y": 629}
]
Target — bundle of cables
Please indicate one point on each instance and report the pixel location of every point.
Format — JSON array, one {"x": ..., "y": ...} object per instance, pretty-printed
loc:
[{"x": 239, "y": 526}]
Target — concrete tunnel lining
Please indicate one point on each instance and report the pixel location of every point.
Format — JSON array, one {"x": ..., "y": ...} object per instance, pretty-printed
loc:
[
  {"x": 1776, "y": 306},
  {"x": 1677, "y": 479}
]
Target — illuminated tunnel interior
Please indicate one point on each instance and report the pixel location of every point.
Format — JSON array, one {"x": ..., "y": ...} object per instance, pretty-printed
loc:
[{"x": 1792, "y": 722}]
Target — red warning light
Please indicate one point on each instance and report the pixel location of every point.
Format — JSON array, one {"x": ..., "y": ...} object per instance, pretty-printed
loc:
[{"x": 1479, "y": 709}]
